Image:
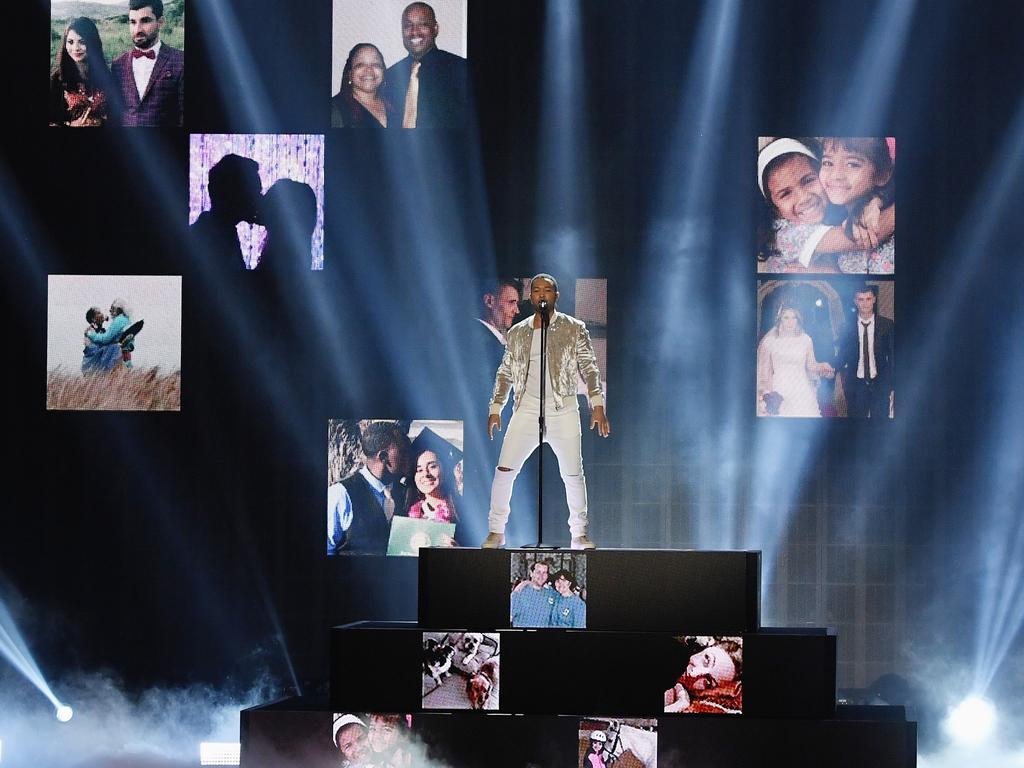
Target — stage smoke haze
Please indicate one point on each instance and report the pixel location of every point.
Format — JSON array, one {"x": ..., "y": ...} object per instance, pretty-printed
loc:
[
  {"x": 958, "y": 757},
  {"x": 114, "y": 727},
  {"x": 312, "y": 756},
  {"x": 940, "y": 677}
]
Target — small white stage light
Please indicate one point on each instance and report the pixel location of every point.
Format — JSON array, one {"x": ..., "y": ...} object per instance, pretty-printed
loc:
[
  {"x": 64, "y": 713},
  {"x": 972, "y": 721},
  {"x": 220, "y": 753}
]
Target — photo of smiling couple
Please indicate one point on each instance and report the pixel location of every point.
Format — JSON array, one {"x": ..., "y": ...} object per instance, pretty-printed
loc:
[
  {"x": 425, "y": 86},
  {"x": 827, "y": 204},
  {"x": 549, "y": 592},
  {"x": 138, "y": 82}
]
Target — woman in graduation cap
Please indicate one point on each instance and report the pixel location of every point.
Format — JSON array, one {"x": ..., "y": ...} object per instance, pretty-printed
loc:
[{"x": 433, "y": 481}]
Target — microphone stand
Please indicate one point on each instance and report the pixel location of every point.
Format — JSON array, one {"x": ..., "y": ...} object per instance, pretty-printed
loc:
[{"x": 544, "y": 320}]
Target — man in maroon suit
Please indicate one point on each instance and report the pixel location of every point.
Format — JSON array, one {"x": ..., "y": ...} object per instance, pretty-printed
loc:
[{"x": 151, "y": 76}]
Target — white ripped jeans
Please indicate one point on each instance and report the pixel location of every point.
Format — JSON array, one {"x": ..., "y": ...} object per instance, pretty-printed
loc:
[{"x": 562, "y": 431}]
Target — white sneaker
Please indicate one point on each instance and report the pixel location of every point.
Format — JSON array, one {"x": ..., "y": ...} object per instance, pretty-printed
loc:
[
  {"x": 495, "y": 541},
  {"x": 582, "y": 542}
]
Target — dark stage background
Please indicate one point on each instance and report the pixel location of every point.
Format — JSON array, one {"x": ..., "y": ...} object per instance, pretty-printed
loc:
[{"x": 174, "y": 548}]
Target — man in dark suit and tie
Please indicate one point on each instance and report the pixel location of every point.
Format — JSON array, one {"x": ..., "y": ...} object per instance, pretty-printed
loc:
[
  {"x": 151, "y": 76},
  {"x": 865, "y": 359},
  {"x": 429, "y": 87},
  {"x": 499, "y": 309}
]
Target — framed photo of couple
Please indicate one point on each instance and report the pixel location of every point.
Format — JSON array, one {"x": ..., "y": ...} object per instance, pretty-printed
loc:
[
  {"x": 256, "y": 201},
  {"x": 117, "y": 63},
  {"x": 393, "y": 486},
  {"x": 113, "y": 343},
  {"x": 397, "y": 64},
  {"x": 548, "y": 590}
]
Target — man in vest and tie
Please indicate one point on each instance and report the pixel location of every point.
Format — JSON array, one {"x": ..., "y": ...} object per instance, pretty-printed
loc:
[
  {"x": 360, "y": 507},
  {"x": 151, "y": 76},
  {"x": 429, "y": 87}
]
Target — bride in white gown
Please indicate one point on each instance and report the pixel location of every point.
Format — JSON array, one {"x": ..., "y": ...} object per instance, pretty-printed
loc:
[{"x": 786, "y": 368}]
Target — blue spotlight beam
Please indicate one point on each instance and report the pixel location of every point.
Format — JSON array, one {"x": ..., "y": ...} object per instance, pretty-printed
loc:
[
  {"x": 233, "y": 78},
  {"x": 999, "y": 585},
  {"x": 869, "y": 94},
  {"x": 19, "y": 228},
  {"x": 862, "y": 108},
  {"x": 1000, "y": 548},
  {"x": 449, "y": 234},
  {"x": 675, "y": 247},
  {"x": 14, "y": 649},
  {"x": 565, "y": 241}
]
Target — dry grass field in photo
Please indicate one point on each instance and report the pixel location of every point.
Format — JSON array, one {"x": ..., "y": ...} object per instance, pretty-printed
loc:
[{"x": 120, "y": 390}]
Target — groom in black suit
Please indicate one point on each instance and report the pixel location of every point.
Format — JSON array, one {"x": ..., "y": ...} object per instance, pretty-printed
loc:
[{"x": 865, "y": 359}]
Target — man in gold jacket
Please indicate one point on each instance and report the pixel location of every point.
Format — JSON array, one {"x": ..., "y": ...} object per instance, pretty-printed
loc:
[{"x": 570, "y": 354}]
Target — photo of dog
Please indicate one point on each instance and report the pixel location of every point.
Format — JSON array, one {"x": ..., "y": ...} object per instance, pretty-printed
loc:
[
  {"x": 460, "y": 670},
  {"x": 437, "y": 659},
  {"x": 480, "y": 685},
  {"x": 471, "y": 642}
]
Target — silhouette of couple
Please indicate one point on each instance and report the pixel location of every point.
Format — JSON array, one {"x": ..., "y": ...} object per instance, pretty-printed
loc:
[{"x": 287, "y": 211}]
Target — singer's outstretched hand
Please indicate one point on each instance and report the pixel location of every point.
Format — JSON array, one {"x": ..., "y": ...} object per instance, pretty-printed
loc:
[
  {"x": 599, "y": 420},
  {"x": 493, "y": 423}
]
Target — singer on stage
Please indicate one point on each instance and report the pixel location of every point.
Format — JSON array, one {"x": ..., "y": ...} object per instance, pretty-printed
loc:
[{"x": 569, "y": 350}]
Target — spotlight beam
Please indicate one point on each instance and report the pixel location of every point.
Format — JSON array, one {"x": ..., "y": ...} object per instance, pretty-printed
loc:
[
  {"x": 236, "y": 327},
  {"x": 1001, "y": 547},
  {"x": 961, "y": 268},
  {"x": 15, "y": 650},
  {"x": 998, "y": 586},
  {"x": 677, "y": 240},
  {"x": 233, "y": 79},
  {"x": 870, "y": 91},
  {"x": 565, "y": 238}
]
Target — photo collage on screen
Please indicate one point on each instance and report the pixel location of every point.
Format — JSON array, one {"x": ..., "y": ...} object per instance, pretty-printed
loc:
[
  {"x": 548, "y": 590},
  {"x": 711, "y": 676},
  {"x": 461, "y": 670},
  {"x": 256, "y": 203},
  {"x": 374, "y": 738},
  {"x": 826, "y": 264},
  {"x": 393, "y": 486},
  {"x": 113, "y": 342}
]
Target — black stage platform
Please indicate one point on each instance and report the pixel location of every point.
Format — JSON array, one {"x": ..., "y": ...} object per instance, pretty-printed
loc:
[
  {"x": 643, "y": 590},
  {"x": 297, "y": 732},
  {"x": 668, "y": 661}
]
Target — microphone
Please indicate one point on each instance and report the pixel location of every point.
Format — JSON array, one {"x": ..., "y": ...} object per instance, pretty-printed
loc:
[{"x": 542, "y": 305}]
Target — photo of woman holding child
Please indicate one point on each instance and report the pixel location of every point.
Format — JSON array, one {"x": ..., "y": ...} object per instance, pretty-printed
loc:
[{"x": 828, "y": 205}]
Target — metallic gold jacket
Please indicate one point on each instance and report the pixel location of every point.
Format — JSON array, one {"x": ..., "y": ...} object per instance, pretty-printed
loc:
[{"x": 569, "y": 350}]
